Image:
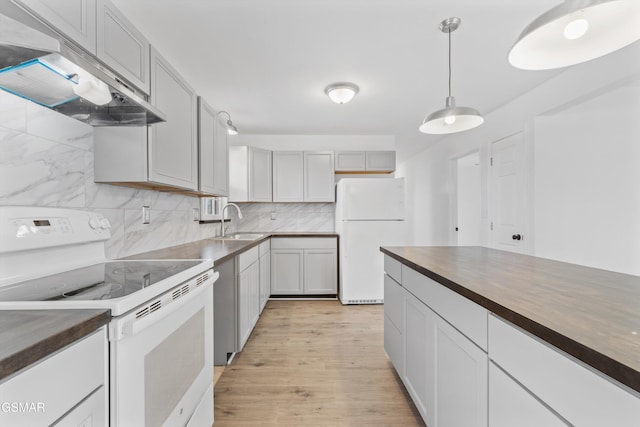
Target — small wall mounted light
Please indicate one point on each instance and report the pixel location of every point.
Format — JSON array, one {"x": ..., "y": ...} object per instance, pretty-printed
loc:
[{"x": 231, "y": 129}]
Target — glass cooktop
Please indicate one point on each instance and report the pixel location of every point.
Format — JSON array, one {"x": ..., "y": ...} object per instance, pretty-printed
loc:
[{"x": 103, "y": 281}]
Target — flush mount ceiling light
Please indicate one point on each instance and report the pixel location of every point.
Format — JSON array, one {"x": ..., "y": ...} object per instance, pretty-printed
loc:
[
  {"x": 451, "y": 119},
  {"x": 231, "y": 129},
  {"x": 341, "y": 93},
  {"x": 576, "y": 31}
]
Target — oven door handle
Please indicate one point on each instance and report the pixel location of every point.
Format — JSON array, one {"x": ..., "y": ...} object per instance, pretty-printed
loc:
[{"x": 133, "y": 323}]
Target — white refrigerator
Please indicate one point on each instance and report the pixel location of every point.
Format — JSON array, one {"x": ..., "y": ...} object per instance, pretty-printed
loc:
[{"x": 369, "y": 214}]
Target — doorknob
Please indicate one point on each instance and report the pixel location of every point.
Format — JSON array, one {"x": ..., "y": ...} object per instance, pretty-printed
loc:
[{"x": 516, "y": 237}]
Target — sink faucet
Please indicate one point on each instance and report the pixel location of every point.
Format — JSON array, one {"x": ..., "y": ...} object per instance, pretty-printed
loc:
[{"x": 222, "y": 228}]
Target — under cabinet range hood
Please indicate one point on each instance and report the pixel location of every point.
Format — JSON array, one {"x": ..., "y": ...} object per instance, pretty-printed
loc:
[{"x": 40, "y": 65}]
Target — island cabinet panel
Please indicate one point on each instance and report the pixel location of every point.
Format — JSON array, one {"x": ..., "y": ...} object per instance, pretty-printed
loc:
[
  {"x": 510, "y": 404},
  {"x": 580, "y": 395}
]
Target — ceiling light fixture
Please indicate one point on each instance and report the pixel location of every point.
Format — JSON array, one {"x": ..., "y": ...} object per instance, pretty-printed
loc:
[
  {"x": 452, "y": 118},
  {"x": 231, "y": 129},
  {"x": 341, "y": 93},
  {"x": 576, "y": 31}
]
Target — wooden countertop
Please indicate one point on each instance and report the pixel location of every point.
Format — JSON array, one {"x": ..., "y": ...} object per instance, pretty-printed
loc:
[
  {"x": 27, "y": 336},
  {"x": 592, "y": 314},
  {"x": 218, "y": 250}
]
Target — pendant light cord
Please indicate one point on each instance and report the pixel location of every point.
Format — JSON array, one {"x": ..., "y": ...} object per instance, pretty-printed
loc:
[{"x": 449, "y": 60}]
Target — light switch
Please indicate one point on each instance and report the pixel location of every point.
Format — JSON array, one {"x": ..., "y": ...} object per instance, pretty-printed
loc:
[{"x": 146, "y": 214}]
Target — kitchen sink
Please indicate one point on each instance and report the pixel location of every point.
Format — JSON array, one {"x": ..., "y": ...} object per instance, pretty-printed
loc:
[{"x": 242, "y": 236}]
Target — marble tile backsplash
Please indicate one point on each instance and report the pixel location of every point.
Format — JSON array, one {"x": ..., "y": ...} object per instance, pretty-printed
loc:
[
  {"x": 270, "y": 217},
  {"x": 46, "y": 159}
]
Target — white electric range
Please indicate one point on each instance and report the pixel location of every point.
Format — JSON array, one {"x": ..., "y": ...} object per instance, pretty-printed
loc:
[{"x": 161, "y": 331}]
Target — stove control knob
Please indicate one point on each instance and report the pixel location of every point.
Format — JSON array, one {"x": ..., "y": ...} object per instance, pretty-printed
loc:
[
  {"x": 94, "y": 223},
  {"x": 104, "y": 223}
]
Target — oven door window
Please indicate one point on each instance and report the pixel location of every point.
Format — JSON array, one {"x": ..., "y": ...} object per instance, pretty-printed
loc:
[{"x": 161, "y": 370}]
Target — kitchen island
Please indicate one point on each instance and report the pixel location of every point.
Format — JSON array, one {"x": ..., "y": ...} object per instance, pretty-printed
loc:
[{"x": 567, "y": 336}]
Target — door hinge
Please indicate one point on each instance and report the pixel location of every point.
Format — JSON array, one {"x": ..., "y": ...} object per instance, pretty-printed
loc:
[
  {"x": 491, "y": 225},
  {"x": 491, "y": 161}
]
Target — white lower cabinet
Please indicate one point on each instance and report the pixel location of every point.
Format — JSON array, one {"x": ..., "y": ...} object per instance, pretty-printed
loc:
[
  {"x": 265, "y": 273},
  {"x": 65, "y": 389},
  {"x": 393, "y": 323},
  {"x": 511, "y": 405},
  {"x": 575, "y": 392},
  {"x": 248, "y": 267},
  {"x": 304, "y": 266}
]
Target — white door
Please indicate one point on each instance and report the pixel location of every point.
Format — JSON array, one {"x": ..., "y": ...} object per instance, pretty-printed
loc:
[
  {"x": 468, "y": 215},
  {"x": 508, "y": 195}
]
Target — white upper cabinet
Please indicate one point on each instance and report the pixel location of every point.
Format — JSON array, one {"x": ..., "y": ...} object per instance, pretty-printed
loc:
[
  {"x": 319, "y": 177},
  {"x": 249, "y": 174},
  {"x": 173, "y": 145},
  {"x": 381, "y": 161},
  {"x": 213, "y": 151},
  {"x": 75, "y": 19},
  {"x": 365, "y": 161},
  {"x": 288, "y": 169},
  {"x": 121, "y": 46},
  {"x": 303, "y": 176},
  {"x": 350, "y": 161}
]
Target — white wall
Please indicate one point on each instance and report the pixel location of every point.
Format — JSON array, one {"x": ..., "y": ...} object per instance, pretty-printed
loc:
[
  {"x": 429, "y": 174},
  {"x": 587, "y": 182},
  {"x": 316, "y": 142}
]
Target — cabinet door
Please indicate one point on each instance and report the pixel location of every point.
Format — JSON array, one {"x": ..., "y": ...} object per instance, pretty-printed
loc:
[
  {"x": 319, "y": 177},
  {"x": 76, "y": 19},
  {"x": 348, "y": 161},
  {"x": 121, "y": 46},
  {"x": 173, "y": 145},
  {"x": 511, "y": 405},
  {"x": 419, "y": 352},
  {"x": 461, "y": 388},
  {"x": 381, "y": 161},
  {"x": 393, "y": 323},
  {"x": 286, "y": 271},
  {"x": 213, "y": 151},
  {"x": 288, "y": 176},
  {"x": 265, "y": 279},
  {"x": 260, "y": 175},
  {"x": 248, "y": 285},
  {"x": 320, "y": 271}
]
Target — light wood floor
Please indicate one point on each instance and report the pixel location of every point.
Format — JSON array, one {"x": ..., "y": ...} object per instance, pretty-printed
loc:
[{"x": 314, "y": 363}]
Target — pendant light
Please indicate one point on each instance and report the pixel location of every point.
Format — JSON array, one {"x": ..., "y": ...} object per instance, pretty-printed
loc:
[
  {"x": 576, "y": 31},
  {"x": 451, "y": 119}
]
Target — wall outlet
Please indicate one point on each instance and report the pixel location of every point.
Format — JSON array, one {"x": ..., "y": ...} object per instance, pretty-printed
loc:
[
  {"x": 196, "y": 214},
  {"x": 146, "y": 214},
  {"x": 273, "y": 216}
]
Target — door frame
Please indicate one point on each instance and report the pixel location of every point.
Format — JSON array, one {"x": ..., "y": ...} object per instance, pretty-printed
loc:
[
  {"x": 453, "y": 203},
  {"x": 526, "y": 157}
]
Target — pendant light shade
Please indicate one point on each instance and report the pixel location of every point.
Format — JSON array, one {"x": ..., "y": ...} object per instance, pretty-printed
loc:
[
  {"x": 576, "y": 31},
  {"x": 452, "y": 118}
]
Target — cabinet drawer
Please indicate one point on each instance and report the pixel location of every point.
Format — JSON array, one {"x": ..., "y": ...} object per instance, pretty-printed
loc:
[
  {"x": 393, "y": 268},
  {"x": 580, "y": 395},
  {"x": 245, "y": 259},
  {"x": 265, "y": 247},
  {"x": 304, "y": 243},
  {"x": 465, "y": 315},
  {"x": 58, "y": 383}
]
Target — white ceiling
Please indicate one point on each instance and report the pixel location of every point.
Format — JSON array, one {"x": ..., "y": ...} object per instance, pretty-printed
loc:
[{"x": 267, "y": 62}]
